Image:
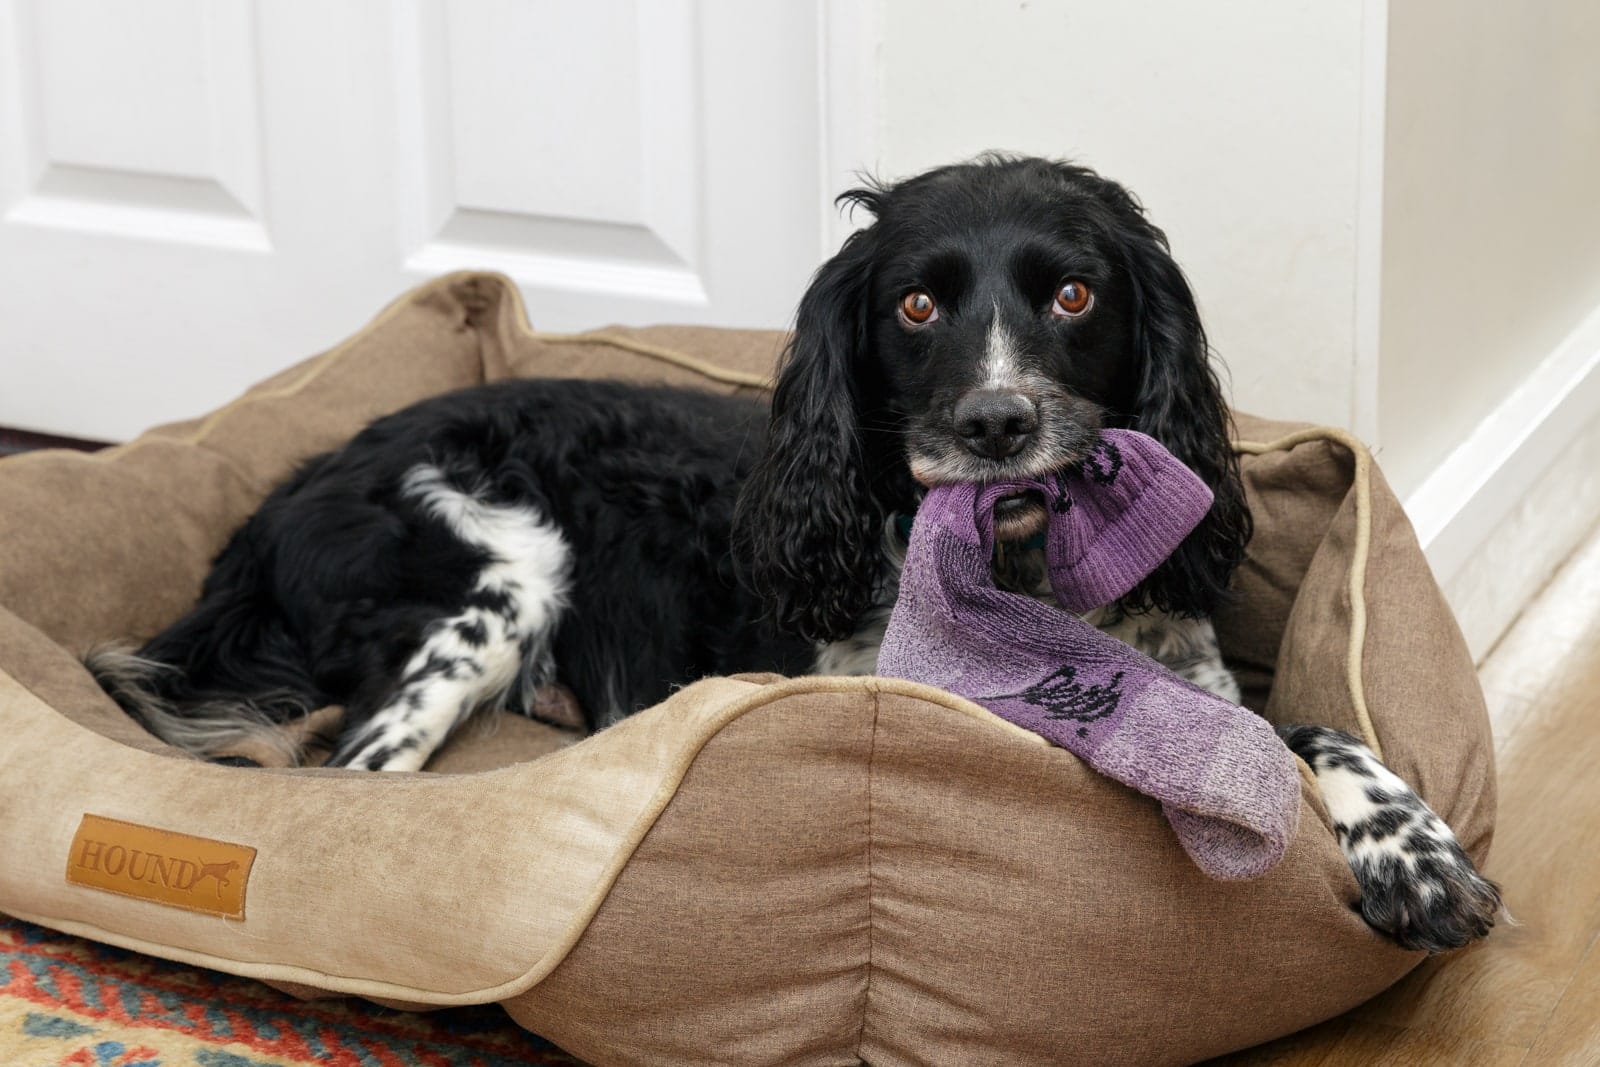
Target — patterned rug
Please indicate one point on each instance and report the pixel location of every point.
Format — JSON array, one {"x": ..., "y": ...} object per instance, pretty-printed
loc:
[{"x": 64, "y": 1000}]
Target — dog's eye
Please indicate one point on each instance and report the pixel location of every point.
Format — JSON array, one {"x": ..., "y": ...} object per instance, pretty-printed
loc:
[
  {"x": 1072, "y": 299},
  {"x": 917, "y": 307}
]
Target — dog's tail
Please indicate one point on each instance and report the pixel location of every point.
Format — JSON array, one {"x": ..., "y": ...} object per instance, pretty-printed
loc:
[
  {"x": 223, "y": 680},
  {"x": 155, "y": 696}
]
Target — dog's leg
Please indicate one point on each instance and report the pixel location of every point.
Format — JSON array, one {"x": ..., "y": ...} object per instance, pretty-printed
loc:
[
  {"x": 466, "y": 662},
  {"x": 497, "y": 644},
  {"x": 1417, "y": 885}
]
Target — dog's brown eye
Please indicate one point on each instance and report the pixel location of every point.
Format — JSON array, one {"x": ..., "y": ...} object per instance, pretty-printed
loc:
[
  {"x": 1072, "y": 299},
  {"x": 917, "y": 307}
]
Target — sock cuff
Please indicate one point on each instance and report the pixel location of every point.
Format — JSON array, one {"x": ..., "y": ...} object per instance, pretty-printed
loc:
[{"x": 1131, "y": 504}]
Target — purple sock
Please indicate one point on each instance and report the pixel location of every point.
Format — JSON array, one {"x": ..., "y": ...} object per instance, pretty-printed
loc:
[{"x": 1228, "y": 786}]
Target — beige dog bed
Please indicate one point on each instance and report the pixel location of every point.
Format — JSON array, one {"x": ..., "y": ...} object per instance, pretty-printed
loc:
[{"x": 811, "y": 871}]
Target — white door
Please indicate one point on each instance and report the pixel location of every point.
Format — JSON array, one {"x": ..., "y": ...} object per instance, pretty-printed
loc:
[{"x": 193, "y": 193}]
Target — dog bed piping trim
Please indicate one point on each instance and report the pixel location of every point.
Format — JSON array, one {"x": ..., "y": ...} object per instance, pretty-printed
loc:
[
  {"x": 699, "y": 366},
  {"x": 1358, "y": 558},
  {"x": 703, "y": 367}
]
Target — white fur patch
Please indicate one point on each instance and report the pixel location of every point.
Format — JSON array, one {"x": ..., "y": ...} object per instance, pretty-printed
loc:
[
  {"x": 471, "y": 659},
  {"x": 1418, "y": 886},
  {"x": 1002, "y": 368},
  {"x": 1348, "y": 795}
]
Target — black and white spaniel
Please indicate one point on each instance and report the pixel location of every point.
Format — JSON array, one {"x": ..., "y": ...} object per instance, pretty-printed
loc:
[{"x": 622, "y": 540}]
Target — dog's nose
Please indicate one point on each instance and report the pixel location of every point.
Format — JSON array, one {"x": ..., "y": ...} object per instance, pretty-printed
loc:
[{"x": 994, "y": 423}]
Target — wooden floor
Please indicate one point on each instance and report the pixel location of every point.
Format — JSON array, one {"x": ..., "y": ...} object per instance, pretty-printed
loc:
[{"x": 1530, "y": 994}]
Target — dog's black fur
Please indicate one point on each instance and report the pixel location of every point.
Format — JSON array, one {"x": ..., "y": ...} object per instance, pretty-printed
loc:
[{"x": 326, "y": 592}]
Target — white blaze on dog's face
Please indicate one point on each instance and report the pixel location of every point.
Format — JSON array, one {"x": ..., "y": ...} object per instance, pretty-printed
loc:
[
  {"x": 1002, "y": 363},
  {"x": 1004, "y": 391}
]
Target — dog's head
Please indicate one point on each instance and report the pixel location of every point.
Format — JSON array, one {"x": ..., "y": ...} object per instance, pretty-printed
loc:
[{"x": 994, "y": 316}]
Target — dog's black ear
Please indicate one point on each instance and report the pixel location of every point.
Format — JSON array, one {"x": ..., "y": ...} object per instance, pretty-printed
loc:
[
  {"x": 808, "y": 527},
  {"x": 1180, "y": 403}
]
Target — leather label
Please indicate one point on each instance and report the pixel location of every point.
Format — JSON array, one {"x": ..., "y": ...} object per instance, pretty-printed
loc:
[{"x": 179, "y": 870}]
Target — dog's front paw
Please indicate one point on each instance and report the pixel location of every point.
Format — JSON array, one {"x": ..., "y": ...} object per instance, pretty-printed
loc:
[{"x": 1418, "y": 887}]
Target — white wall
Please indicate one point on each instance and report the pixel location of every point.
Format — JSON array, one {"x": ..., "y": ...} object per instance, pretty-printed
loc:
[{"x": 1491, "y": 237}]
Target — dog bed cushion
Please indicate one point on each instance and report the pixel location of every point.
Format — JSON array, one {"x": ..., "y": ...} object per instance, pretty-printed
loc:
[{"x": 759, "y": 870}]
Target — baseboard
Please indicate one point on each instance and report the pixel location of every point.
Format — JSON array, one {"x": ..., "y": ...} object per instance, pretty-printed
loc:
[
  {"x": 1518, "y": 495},
  {"x": 13, "y": 440}
]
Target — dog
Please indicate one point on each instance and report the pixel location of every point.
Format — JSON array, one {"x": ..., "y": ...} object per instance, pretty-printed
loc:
[
  {"x": 220, "y": 871},
  {"x": 622, "y": 540}
]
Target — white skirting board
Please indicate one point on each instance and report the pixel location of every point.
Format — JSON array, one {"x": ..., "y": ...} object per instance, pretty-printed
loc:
[{"x": 1519, "y": 494}]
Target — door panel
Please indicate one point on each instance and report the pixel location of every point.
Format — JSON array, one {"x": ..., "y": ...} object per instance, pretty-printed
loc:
[{"x": 194, "y": 193}]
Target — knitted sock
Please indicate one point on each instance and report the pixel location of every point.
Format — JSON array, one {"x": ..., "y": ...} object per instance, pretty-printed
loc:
[{"x": 1226, "y": 783}]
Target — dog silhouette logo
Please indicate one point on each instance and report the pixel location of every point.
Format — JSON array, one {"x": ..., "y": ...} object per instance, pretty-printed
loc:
[{"x": 219, "y": 871}]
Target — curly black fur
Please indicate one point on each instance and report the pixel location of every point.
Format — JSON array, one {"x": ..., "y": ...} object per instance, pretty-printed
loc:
[
  {"x": 1180, "y": 403},
  {"x": 809, "y": 521}
]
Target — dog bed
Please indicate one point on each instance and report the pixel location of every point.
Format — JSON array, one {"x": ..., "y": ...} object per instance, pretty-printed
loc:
[{"x": 759, "y": 870}]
